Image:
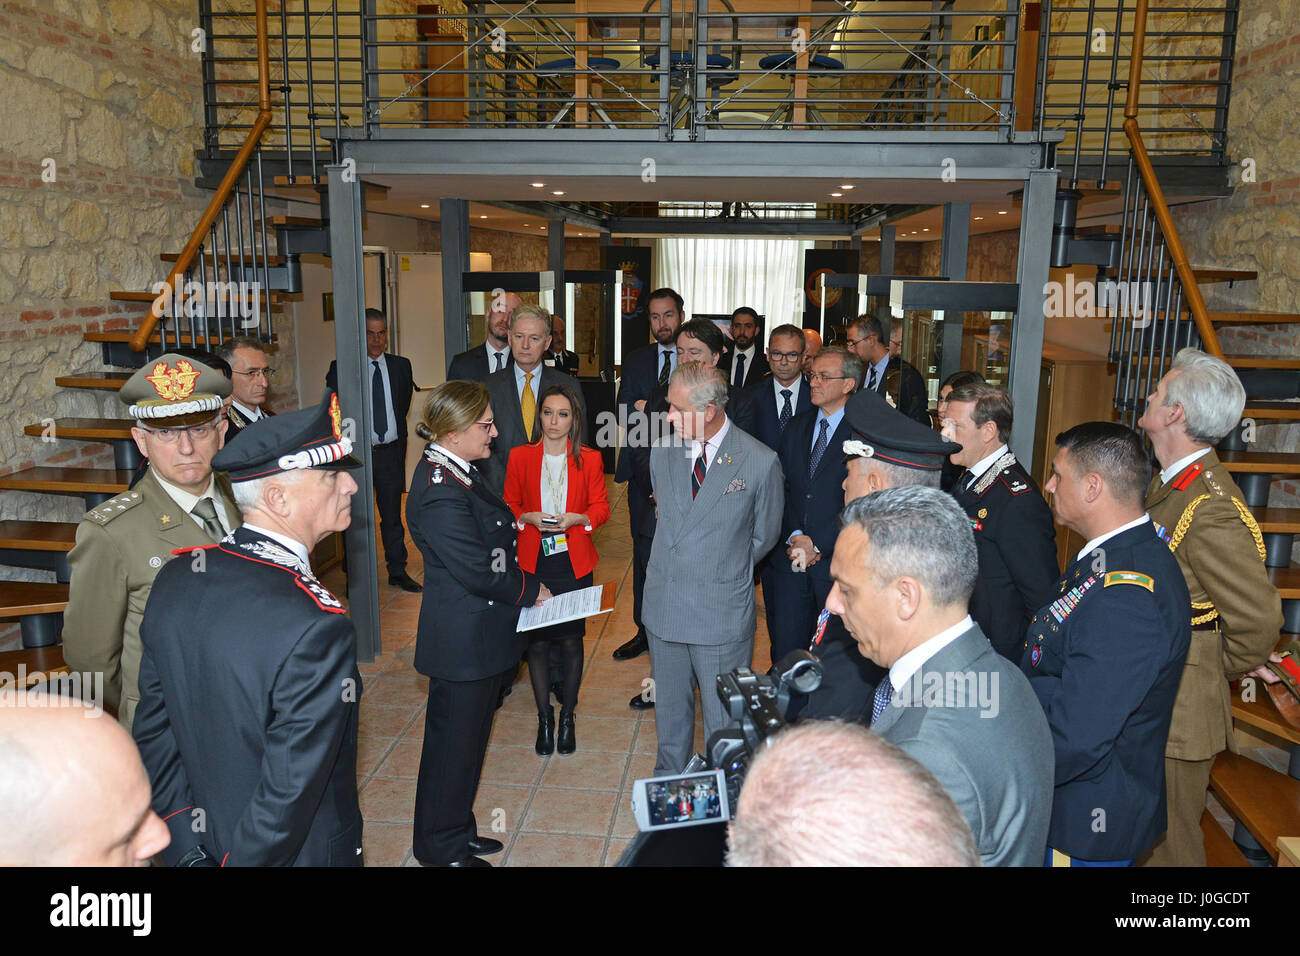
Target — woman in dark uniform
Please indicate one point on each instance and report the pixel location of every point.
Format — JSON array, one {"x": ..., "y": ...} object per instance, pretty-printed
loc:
[{"x": 473, "y": 592}]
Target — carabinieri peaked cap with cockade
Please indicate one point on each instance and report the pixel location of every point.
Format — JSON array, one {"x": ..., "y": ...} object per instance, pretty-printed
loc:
[
  {"x": 882, "y": 431},
  {"x": 173, "y": 387},
  {"x": 308, "y": 438}
]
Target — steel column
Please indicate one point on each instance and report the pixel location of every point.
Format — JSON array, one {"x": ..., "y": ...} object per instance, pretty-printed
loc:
[
  {"x": 952, "y": 264},
  {"x": 455, "y": 263},
  {"x": 555, "y": 263},
  {"x": 348, "y": 270},
  {"x": 1027, "y": 335},
  {"x": 887, "y": 250}
]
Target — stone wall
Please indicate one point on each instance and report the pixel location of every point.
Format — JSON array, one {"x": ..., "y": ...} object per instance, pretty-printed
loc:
[{"x": 1258, "y": 226}]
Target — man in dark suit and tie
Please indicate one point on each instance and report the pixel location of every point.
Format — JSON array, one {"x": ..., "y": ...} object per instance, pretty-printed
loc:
[
  {"x": 783, "y": 392},
  {"x": 391, "y": 386},
  {"x": 515, "y": 391},
  {"x": 476, "y": 364},
  {"x": 250, "y": 379},
  {"x": 644, "y": 369},
  {"x": 868, "y": 341},
  {"x": 797, "y": 577},
  {"x": 904, "y": 567},
  {"x": 744, "y": 363},
  {"x": 1014, "y": 532},
  {"x": 560, "y": 358}
]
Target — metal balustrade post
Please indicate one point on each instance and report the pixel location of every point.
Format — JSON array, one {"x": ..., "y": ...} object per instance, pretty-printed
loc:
[{"x": 1033, "y": 273}]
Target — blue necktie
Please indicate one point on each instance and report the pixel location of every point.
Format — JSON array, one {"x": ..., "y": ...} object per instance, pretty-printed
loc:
[
  {"x": 884, "y": 691},
  {"x": 501, "y": 363},
  {"x": 871, "y": 381},
  {"x": 667, "y": 367},
  {"x": 786, "y": 410},
  {"x": 377, "y": 396},
  {"x": 740, "y": 370},
  {"x": 818, "y": 449}
]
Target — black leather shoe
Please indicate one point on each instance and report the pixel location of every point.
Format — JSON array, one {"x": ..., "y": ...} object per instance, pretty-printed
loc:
[
  {"x": 633, "y": 648},
  {"x": 405, "y": 582},
  {"x": 545, "y": 732},
  {"x": 640, "y": 703},
  {"x": 469, "y": 861},
  {"x": 565, "y": 742},
  {"x": 482, "y": 846}
]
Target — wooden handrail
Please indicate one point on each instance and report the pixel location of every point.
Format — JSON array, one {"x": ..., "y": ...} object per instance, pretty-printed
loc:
[
  {"x": 140, "y": 340},
  {"x": 1200, "y": 315}
]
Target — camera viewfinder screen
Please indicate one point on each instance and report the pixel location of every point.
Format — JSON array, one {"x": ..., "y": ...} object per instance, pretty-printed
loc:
[{"x": 687, "y": 798}]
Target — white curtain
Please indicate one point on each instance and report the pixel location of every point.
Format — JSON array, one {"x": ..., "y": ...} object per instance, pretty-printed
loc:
[{"x": 718, "y": 275}]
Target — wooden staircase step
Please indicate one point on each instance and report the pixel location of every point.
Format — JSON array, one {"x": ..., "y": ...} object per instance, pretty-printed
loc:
[
  {"x": 1269, "y": 409},
  {"x": 1219, "y": 848},
  {"x": 221, "y": 260},
  {"x": 97, "y": 429},
  {"x": 20, "y": 598},
  {"x": 309, "y": 221},
  {"x": 1267, "y": 803},
  {"x": 68, "y": 481},
  {"x": 38, "y": 663},
  {"x": 37, "y": 535},
  {"x": 1278, "y": 520},
  {"x": 112, "y": 381},
  {"x": 1287, "y": 582},
  {"x": 1261, "y": 361},
  {"x": 1261, "y": 713},
  {"x": 1254, "y": 318},
  {"x": 1224, "y": 275},
  {"x": 1261, "y": 462}
]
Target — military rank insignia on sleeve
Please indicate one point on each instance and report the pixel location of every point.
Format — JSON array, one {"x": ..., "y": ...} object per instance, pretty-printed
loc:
[{"x": 1131, "y": 577}]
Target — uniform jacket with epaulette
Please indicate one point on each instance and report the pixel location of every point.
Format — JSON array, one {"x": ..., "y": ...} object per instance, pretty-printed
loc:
[
  {"x": 1105, "y": 658},
  {"x": 120, "y": 547},
  {"x": 1016, "y": 541},
  {"x": 473, "y": 585},
  {"x": 1236, "y": 612}
]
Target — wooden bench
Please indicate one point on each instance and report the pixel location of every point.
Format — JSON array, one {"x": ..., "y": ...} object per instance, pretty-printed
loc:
[{"x": 1265, "y": 802}]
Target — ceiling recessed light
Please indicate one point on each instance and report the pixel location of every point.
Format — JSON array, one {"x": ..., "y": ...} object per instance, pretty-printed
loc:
[
  {"x": 557, "y": 192},
  {"x": 482, "y": 217},
  {"x": 846, "y": 186},
  {"x": 424, "y": 205},
  {"x": 914, "y": 232},
  {"x": 1002, "y": 212},
  {"x": 978, "y": 218},
  {"x": 537, "y": 185},
  {"x": 925, "y": 230},
  {"x": 837, "y": 194}
]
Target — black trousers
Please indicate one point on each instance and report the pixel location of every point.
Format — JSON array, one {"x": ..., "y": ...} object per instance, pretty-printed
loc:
[
  {"x": 456, "y": 728},
  {"x": 642, "y": 518},
  {"x": 390, "y": 481}
]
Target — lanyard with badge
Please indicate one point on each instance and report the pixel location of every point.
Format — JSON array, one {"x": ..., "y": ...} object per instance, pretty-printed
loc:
[{"x": 555, "y": 542}]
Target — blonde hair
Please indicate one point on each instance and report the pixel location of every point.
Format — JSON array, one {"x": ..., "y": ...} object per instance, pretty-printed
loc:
[
  {"x": 453, "y": 407},
  {"x": 532, "y": 312}
]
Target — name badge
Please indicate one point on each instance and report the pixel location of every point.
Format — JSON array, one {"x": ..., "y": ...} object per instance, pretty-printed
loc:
[{"x": 554, "y": 544}]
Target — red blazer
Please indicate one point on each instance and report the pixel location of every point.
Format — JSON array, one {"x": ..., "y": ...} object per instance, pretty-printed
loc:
[{"x": 584, "y": 493}]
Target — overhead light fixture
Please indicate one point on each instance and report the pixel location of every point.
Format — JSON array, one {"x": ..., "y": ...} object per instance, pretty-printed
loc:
[
  {"x": 1002, "y": 212},
  {"x": 978, "y": 218},
  {"x": 557, "y": 192},
  {"x": 846, "y": 186},
  {"x": 424, "y": 205},
  {"x": 914, "y": 232},
  {"x": 925, "y": 230},
  {"x": 482, "y": 217},
  {"x": 537, "y": 185},
  {"x": 837, "y": 194}
]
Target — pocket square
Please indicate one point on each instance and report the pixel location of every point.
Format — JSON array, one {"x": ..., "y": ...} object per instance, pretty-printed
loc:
[{"x": 737, "y": 484}]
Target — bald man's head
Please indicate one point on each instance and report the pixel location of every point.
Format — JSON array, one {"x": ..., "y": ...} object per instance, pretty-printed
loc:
[
  {"x": 812, "y": 345},
  {"x": 72, "y": 789}
]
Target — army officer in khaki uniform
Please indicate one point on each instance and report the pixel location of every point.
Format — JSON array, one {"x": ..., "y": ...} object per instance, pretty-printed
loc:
[
  {"x": 177, "y": 404},
  {"x": 1236, "y": 612}
]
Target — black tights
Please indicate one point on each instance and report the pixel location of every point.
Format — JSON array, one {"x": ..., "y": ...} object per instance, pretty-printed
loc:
[{"x": 539, "y": 670}]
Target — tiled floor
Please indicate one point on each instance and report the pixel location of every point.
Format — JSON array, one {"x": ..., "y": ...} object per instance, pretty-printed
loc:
[{"x": 549, "y": 811}]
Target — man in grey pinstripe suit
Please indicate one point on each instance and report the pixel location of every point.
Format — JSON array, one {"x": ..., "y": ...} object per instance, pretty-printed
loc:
[{"x": 719, "y": 494}]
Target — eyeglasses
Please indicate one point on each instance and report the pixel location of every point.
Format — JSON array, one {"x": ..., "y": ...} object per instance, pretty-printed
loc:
[
  {"x": 265, "y": 373},
  {"x": 487, "y": 425},
  {"x": 171, "y": 435},
  {"x": 784, "y": 356},
  {"x": 819, "y": 377},
  {"x": 852, "y": 342}
]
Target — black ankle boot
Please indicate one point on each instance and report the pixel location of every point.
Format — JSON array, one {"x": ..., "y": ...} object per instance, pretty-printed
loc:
[
  {"x": 545, "y": 732},
  {"x": 566, "y": 744}
]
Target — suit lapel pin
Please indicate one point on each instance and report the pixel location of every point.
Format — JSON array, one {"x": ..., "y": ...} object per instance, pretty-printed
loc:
[{"x": 726, "y": 458}]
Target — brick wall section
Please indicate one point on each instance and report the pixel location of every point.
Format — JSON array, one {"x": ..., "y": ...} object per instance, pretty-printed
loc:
[{"x": 1258, "y": 226}]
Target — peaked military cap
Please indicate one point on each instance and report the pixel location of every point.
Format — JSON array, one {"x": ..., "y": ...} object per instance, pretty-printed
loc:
[
  {"x": 174, "y": 385},
  {"x": 881, "y": 431},
  {"x": 308, "y": 438}
]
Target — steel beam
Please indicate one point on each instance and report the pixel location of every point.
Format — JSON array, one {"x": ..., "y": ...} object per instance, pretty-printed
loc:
[
  {"x": 888, "y": 235},
  {"x": 555, "y": 263},
  {"x": 347, "y": 269},
  {"x": 677, "y": 225},
  {"x": 952, "y": 264},
  {"x": 550, "y": 210},
  {"x": 454, "y": 225},
  {"x": 1034, "y": 271}
]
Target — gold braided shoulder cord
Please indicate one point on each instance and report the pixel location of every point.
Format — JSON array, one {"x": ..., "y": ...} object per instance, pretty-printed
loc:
[
  {"x": 1180, "y": 531},
  {"x": 1249, "y": 519}
]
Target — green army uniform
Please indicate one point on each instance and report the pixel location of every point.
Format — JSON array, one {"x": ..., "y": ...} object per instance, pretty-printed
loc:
[
  {"x": 123, "y": 542},
  {"x": 1236, "y": 617}
]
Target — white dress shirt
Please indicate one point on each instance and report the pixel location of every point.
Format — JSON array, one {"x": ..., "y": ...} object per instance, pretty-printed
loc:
[
  {"x": 453, "y": 456},
  {"x": 492, "y": 353},
  {"x": 1173, "y": 471},
  {"x": 1097, "y": 542},
  {"x": 391, "y": 434},
  {"x": 915, "y": 659},
  {"x": 714, "y": 444},
  {"x": 252, "y": 414},
  {"x": 794, "y": 387},
  {"x": 984, "y": 464},
  {"x": 187, "y": 501},
  {"x": 297, "y": 547}
]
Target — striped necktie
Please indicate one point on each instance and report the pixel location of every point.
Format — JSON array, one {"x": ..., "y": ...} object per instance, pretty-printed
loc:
[
  {"x": 819, "y": 449},
  {"x": 699, "y": 469}
]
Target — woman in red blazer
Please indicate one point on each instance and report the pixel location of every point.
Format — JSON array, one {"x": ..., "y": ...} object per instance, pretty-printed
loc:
[{"x": 556, "y": 489}]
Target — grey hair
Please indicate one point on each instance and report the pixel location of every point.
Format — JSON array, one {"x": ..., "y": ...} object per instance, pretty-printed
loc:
[
  {"x": 706, "y": 385},
  {"x": 248, "y": 494},
  {"x": 802, "y": 805},
  {"x": 850, "y": 365},
  {"x": 919, "y": 533},
  {"x": 226, "y": 350},
  {"x": 900, "y": 476},
  {"x": 1210, "y": 392},
  {"x": 532, "y": 312}
]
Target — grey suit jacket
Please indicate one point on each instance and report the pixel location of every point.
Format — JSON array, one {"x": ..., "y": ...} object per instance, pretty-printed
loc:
[
  {"x": 510, "y": 420},
  {"x": 699, "y": 585},
  {"x": 986, "y": 740}
]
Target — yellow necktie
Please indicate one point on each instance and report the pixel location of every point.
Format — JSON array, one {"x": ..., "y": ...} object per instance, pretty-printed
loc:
[{"x": 528, "y": 405}]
